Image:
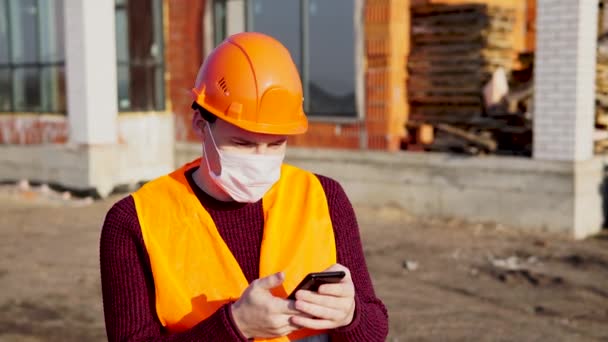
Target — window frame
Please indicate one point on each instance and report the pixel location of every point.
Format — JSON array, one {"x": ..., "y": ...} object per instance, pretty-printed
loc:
[
  {"x": 12, "y": 67},
  {"x": 159, "y": 66}
]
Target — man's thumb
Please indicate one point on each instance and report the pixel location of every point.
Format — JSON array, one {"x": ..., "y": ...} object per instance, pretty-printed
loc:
[{"x": 272, "y": 281}]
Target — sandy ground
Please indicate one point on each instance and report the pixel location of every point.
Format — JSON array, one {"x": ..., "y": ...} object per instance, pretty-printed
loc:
[{"x": 442, "y": 280}]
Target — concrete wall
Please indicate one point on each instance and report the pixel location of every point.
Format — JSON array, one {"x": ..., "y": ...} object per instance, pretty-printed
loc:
[
  {"x": 561, "y": 197},
  {"x": 144, "y": 151}
]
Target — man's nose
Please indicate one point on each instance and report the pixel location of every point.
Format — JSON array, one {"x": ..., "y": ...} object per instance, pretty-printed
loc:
[{"x": 261, "y": 149}]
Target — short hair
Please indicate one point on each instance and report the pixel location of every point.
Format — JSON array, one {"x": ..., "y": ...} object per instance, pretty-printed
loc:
[{"x": 205, "y": 114}]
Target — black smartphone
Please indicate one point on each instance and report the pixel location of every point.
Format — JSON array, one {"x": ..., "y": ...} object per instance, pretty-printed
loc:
[{"x": 312, "y": 281}]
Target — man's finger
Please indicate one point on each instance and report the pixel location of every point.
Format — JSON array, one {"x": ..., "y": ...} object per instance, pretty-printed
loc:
[
  {"x": 271, "y": 281},
  {"x": 332, "y": 302},
  {"x": 312, "y": 323},
  {"x": 319, "y": 311},
  {"x": 284, "y": 306},
  {"x": 337, "y": 290},
  {"x": 339, "y": 267}
]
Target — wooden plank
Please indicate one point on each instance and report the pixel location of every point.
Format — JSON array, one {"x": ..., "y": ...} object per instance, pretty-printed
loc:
[
  {"x": 487, "y": 38},
  {"x": 444, "y": 99},
  {"x": 438, "y": 119},
  {"x": 462, "y": 28},
  {"x": 417, "y": 53},
  {"x": 484, "y": 142},
  {"x": 447, "y": 48},
  {"x": 425, "y": 10},
  {"x": 460, "y": 19},
  {"x": 442, "y": 79},
  {"x": 601, "y": 99},
  {"x": 434, "y": 9},
  {"x": 421, "y": 68},
  {"x": 421, "y": 85},
  {"x": 415, "y": 90},
  {"x": 458, "y": 110},
  {"x": 472, "y": 59},
  {"x": 480, "y": 75}
]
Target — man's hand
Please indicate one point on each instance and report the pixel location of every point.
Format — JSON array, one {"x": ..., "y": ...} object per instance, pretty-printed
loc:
[
  {"x": 260, "y": 314},
  {"x": 332, "y": 306}
]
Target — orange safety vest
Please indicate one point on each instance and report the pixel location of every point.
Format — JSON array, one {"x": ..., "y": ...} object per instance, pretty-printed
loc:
[{"x": 195, "y": 273}]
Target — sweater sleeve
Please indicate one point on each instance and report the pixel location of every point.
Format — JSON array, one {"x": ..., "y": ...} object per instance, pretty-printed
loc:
[
  {"x": 128, "y": 287},
  {"x": 370, "y": 322}
]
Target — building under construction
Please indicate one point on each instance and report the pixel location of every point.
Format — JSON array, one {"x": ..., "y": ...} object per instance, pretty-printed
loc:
[{"x": 95, "y": 95}]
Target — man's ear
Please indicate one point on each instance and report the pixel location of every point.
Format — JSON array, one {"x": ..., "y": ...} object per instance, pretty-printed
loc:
[{"x": 198, "y": 124}]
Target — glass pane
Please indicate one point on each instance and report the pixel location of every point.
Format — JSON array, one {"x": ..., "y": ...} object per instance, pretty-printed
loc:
[
  {"x": 53, "y": 89},
  {"x": 280, "y": 19},
  {"x": 3, "y": 34},
  {"x": 123, "y": 88},
  {"x": 140, "y": 19},
  {"x": 26, "y": 89},
  {"x": 332, "y": 65},
  {"x": 5, "y": 90},
  {"x": 160, "y": 88},
  {"x": 219, "y": 21},
  {"x": 51, "y": 31},
  {"x": 142, "y": 88},
  {"x": 24, "y": 30},
  {"x": 122, "y": 40}
]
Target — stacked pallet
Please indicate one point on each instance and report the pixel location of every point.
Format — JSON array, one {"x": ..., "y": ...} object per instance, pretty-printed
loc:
[
  {"x": 386, "y": 23},
  {"x": 601, "y": 76},
  {"x": 455, "y": 49},
  {"x": 600, "y": 137}
]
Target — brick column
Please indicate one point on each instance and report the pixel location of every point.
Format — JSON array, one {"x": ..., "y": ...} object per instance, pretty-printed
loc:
[
  {"x": 386, "y": 45},
  {"x": 564, "y": 86}
]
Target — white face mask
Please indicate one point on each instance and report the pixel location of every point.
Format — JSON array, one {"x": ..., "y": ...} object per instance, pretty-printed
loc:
[{"x": 244, "y": 177}]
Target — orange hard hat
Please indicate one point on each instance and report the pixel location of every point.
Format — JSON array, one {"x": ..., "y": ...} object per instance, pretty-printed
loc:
[{"x": 251, "y": 81}]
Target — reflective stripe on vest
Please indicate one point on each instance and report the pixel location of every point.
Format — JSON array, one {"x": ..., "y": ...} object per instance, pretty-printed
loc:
[{"x": 195, "y": 273}]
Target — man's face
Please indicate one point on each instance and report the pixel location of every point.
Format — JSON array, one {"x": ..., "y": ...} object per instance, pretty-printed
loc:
[{"x": 233, "y": 139}]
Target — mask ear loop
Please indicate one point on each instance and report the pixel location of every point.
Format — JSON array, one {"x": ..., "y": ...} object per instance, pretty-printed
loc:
[{"x": 211, "y": 172}]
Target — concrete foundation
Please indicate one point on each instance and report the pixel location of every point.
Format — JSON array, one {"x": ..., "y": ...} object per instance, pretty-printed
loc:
[
  {"x": 144, "y": 152},
  {"x": 560, "y": 197}
]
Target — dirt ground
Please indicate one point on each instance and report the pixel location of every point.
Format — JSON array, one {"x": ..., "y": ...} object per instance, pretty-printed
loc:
[{"x": 442, "y": 280}]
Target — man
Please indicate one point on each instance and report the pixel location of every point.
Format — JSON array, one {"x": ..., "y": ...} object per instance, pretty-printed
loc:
[{"x": 211, "y": 251}]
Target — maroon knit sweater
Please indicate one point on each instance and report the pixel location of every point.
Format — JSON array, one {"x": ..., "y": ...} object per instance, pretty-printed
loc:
[{"x": 128, "y": 284}]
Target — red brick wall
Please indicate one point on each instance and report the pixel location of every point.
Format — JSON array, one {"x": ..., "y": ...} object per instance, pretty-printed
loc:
[
  {"x": 20, "y": 129},
  {"x": 184, "y": 55}
]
